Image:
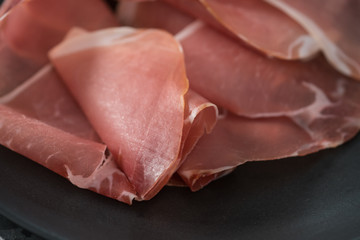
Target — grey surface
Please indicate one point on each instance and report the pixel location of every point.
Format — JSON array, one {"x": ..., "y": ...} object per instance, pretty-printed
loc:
[
  {"x": 313, "y": 197},
  {"x": 12, "y": 231}
]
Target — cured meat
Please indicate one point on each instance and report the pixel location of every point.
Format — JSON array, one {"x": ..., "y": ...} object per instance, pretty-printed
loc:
[
  {"x": 14, "y": 69},
  {"x": 236, "y": 140},
  {"x": 302, "y": 106},
  {"x": 6, "y": 6},
  {"x": 49, "y": 128},
  {"x": 54, "y": 107},
  {"x": 200, "y": 115},
  {"x": 322, "y": 103},
  {"x": 256, "y": 23},
  {"x": 255, "y": 86},
  {"x": 131, "y": 84},
  {"x": 31, "y": 28},
  {"x": 154, "y": 14},
  {"x": 334, "y": 28}
]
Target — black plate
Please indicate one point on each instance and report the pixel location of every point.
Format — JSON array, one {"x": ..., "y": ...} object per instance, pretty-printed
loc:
[{"x": 313, "y": 197}]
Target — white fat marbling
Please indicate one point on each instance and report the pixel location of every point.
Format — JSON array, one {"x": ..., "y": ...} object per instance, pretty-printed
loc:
[{"x": 189, "y": 30}]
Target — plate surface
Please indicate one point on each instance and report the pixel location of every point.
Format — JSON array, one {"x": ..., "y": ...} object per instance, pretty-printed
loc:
[{"x": 313, "y": 197}]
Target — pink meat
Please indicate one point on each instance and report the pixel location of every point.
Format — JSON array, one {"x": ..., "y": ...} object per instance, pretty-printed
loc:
[
  {"x": 256, "y": 23},
  {"x": 321, "y": 103},
  {"x": 255, "y": 86},
  {"x": 28, "y": 29},
  {"x": 334, "y": 27},
  {"x": 7, "y": 5},
  {"x": 236, "y": 140},
  {"x": 49, "y": 128},
  {"x": 44, "y": 97},
  {"x": 299, "y": 107},
  {"x": 200, "y": 115},
  {"x": 154, "y": 14},
  {"x": 131, "y": 85}
]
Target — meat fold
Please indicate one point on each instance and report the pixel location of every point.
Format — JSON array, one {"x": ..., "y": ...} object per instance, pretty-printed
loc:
[
  {"x": 49, "y": 128},
  {"x": 29, "y": 29},
  {"x": 334, "y": 28},
  {"x": 132, "y": 86}
]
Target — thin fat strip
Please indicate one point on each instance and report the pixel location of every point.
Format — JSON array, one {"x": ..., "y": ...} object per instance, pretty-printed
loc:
[
  {"x": 334, "y": 28},
  {"x": 53, "y": 132},
  {"x": 29, "y": 28},
  {"x": 132, "y": 86},
  {"x": 6, "y": 6}
]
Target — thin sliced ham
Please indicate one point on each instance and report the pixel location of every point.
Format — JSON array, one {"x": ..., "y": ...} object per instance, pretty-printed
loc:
[
  {"x": 49, "y": 128},
  {"x": 236, "y": 140},
  {"x": 127, "y": 90},
  {"x": 131, "y": 84},
  {"x": 256, "y": 23},
  {"x": 305, "y": 106},
  {"x": 154, "y": 14},
  {"x": 257, "y": 86},
  {"x": 323, "y": 105},
  {"x": 29, "y": 29},
  {"x": 334, "y": 27},
  {"x": 54, "y": 106},
  {"x": 6, "y": 6}
]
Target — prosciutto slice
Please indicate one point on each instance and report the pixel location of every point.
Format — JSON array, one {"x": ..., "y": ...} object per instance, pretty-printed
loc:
[
  {"x": 257, "y": 86},
  {"x": 323, "y": 105},
  {"x": 302, "y": 106},
  {"x": 334, "y": 28},
  {"x": 131, "y": 84},
  {"x": 255, "y": 22},
  {"x": 49, "y": 128},
  {"x": 28, "y": 29},
  {"x": 236, "y": 140},
  {"x": 6, "y": 6},
  {"x": 154, "y": 14}
]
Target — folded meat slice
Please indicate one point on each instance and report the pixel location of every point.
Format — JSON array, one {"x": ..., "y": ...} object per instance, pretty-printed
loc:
[
  {"x": 132, "y": 86},
  {"x": 255, "y": 22},
  {"x": 334, "y": 28},
  {"x": 28, "y": 29},
  {"x": 49, "y": 128},
  {"x": 200, "y": 116}
]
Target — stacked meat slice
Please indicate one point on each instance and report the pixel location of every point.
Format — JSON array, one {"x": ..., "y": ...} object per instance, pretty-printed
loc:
[
  {"x": 123, "y": 111},
  {"x": 276, "y": 108}
]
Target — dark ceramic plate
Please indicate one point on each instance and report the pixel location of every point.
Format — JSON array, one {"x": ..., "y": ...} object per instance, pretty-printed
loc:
[{"x": 313, "y": 197}]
